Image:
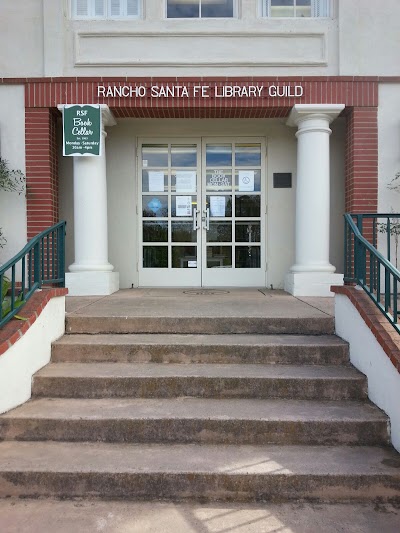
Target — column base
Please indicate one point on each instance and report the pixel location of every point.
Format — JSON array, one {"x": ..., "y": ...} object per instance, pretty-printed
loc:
[
  {"x": 91, "y": 283},
  {"x": 312, "y": 283}
]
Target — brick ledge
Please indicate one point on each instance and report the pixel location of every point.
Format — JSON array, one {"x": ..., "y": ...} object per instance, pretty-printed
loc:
[
  {"x": 15, "y": 329},
  {"x": 382, "y": 330}
]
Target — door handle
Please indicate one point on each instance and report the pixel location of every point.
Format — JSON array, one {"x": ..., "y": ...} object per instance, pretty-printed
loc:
[
  {"x": 195, "y": 220},
  {"x": 207, "y": 218}
]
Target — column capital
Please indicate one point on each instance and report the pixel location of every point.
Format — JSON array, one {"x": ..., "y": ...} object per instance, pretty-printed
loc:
[{"x": 301, "y": 112}]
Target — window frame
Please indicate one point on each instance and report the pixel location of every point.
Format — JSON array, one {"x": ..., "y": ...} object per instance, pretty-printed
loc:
[
  {"x": 266, "y": 11},
  {"x": 107, "y": 12},
  {"x": 234, "y": 16}
]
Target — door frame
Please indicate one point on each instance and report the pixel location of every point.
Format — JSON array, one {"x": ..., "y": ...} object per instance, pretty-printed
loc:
[{"x": 149, "y": 277}]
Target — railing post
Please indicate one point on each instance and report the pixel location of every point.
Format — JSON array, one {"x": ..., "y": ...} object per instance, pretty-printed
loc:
[
  {"x": 36, "y": 264},
  {"x": 61, "y": 254}
]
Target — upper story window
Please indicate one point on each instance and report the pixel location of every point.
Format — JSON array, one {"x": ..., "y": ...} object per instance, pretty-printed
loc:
[
  {"x": 200, "y": 8},
  {"x": 296, "y": 8},
  {"x": 105, "y": 9}
]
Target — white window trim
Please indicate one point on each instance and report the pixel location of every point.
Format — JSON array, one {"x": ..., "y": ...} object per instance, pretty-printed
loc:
[
  {"x": 235, "y": 14},
  {"x": 266, "y": 11},
  {"x": 107, "y": 15}
]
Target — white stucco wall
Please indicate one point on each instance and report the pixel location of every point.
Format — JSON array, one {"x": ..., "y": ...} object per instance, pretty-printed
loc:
[
  {"x": 281, "y": 157},
  {"x": 388, "y": 158},
  {"x": 244, "y": 45},
  {"x": 30, "y": 353},
  {"x": 367, "y": 355},
  {"x": 21, "y": 38},
  {"x": 12, "y": 148},
  {"x": 369, "y": 37},
  {"x": 45, "y": 41},
  {"x": 388, "y": 145}
]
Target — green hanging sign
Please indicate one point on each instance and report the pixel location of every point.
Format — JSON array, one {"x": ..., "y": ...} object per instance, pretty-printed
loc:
[{"x": 82, "y": 130}]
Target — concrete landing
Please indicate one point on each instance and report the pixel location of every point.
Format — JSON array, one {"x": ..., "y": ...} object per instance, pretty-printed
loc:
[
  {"x": 204, "y": 311},
  {"x": 120, "y": 517},
  {"x": 200, "y": 303}
]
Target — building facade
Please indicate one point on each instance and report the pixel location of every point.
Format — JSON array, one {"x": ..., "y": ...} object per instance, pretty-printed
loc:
[{"x": 236, "y": 133}]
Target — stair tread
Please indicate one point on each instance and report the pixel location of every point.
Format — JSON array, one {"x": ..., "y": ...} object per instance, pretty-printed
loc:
[
  {"x": 226, "y": 460},
  {"x": 113, "y": 339},
  {"x": 201, "y": 370},
  {"x": 196, "y": 409}
]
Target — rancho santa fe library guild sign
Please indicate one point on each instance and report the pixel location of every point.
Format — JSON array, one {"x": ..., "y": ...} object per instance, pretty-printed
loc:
[{"x": 200, "y": 91}]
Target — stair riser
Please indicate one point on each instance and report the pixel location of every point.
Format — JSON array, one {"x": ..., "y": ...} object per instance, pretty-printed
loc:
[
  {"x": 197, "y": 431},
  {"x": 279, "y": 354},
  {"x": 201, "y": 486},
  {"x": 300, "y": 389},
  {"x": 204, "y": 326}
]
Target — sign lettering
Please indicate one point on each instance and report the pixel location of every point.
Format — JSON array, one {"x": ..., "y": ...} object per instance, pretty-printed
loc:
[{"x": 82, "y": 130}]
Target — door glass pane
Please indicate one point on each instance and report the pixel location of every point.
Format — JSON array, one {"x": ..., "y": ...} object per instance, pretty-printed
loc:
[
  {"x": 247, "y": 231},
  {"x": 247, "y": 257},
  {"x": 219, "y": 256},
  {"x": 152, "y": 181},
  {"x": 155, "y": 256},
  {"x": 220, "y": 206},
  {"x": 155, "y": 231},
  {"x": 218, "y": 179},
  {"x": 248, "y": 180},
  {"x": 183, "y": 232},
  {"x": 217, "y": 8},
  {"x": 248, "y": 155},
  {"x": 183, "y": 181},
  {"x": 154, "y": 155},
  {"x": 184, "y": 155},
  {"x": 219, "y": 232},
  {"x": 182, "y": 206},
  {"x": 219, "y": 155},
  {"x": 155, "y": 206},
  {"x": 184, "y": 257},
  {"x": 248, "y": 206}
]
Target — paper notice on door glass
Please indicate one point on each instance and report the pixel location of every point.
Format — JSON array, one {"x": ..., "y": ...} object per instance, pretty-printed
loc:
[
  {"x": 183, "y": 206},
  {"x": 246, "y": 180},
  {"x": 217, "y": 206},
  {"x": 156, "y": 181},
  {"x": 186, "y": 181}
]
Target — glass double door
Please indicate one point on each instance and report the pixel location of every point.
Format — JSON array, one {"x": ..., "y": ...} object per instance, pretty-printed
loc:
[{"x": 201, "y": 213}]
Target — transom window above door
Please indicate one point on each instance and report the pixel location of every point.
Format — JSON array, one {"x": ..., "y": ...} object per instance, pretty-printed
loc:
[
  {"x": 296, "y": 8},
  {"x": 200, "y": 8},
  {"x": 105, "y": 9}
]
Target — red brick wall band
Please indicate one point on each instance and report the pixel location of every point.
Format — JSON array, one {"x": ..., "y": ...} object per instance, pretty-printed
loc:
[
  {"x": 362, "y": 160},
  {"x": 360, "y": 95},
  {"x": 41, "y": 169}
]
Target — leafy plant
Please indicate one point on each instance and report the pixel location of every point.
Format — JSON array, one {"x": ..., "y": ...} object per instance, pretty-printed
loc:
[
  {"x": 10, "y": 181},
  {"x": 6, "y": 300}
]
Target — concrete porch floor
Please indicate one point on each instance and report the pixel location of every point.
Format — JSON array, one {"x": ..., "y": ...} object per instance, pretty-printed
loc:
[{"x": 200, "y": 302}]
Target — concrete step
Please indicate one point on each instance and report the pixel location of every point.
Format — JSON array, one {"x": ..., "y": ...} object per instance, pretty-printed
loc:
[
  {"x": 196, "y": 420},
  {"x": 171, "y": 348},
  {"x": 152, "y": 380},
  {"x": 205, "y": 325},
  {"x": 230, "y": 473}
]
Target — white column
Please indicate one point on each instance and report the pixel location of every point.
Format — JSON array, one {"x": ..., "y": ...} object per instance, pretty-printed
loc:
[
  {"x": 91, "y": 273},
  {"x": 312, "y": 274}
]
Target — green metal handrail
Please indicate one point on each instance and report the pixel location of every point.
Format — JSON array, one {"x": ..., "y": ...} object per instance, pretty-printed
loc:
[
  {"x": 41, "y": 262},
  {"x": 366, "y": 266}
]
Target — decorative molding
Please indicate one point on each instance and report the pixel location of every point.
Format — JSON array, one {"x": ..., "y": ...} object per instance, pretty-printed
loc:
[{"x": 315, "y": 55}]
